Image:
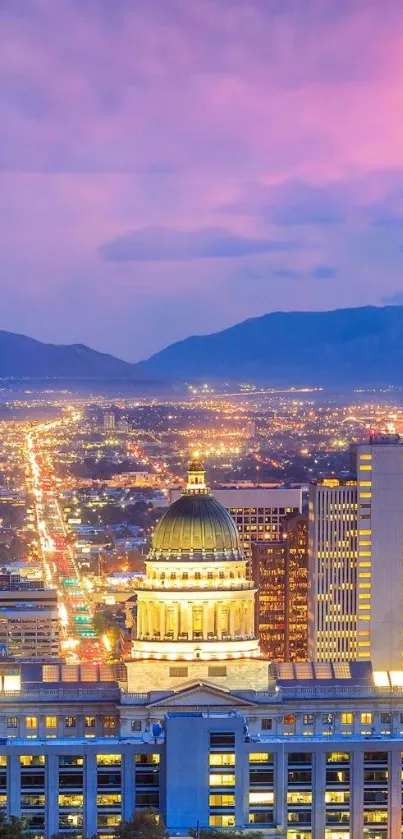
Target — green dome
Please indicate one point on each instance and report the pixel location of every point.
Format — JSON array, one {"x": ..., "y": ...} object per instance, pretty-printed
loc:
[{"x": 196, "y": 527}]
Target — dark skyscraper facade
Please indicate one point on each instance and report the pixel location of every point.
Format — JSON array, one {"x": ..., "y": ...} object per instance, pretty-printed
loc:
[{"x": 280, "y": 574}]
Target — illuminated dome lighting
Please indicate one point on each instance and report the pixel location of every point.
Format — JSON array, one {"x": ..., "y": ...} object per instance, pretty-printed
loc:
[
  {"x": 196, "y": 526},
  {"x": 196, "y": 601}
]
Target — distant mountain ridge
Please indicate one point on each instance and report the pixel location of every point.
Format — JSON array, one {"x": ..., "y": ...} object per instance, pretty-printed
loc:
[
  {"x": 344, "y": 346},
  {"x": 23, "y": 357}
]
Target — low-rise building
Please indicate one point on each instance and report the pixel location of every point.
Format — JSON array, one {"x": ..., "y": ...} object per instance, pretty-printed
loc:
[{"x": 29, "y": 618}]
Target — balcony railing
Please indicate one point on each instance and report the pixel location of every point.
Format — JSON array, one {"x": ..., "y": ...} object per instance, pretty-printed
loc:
[{"x": 196, "y": 636}]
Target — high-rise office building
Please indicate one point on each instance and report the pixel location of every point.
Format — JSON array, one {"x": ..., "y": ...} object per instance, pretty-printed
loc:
[
  {"x": 296, "y": 534},
  {"x": 269, "y": 576},
  {"x": 356, "y": 558},
  {"x": 378, "y": 465},
  {"x": 279, "y": 570},
  {"x": 332, "y": 570}
]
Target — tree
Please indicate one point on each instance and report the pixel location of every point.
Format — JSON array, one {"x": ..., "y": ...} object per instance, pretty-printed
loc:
[
  {"x": 205, "y": 833},
  {"x": 144, "y": 824},
  {"x": 68, "y": 835},
  {"x": 14, "y": 828}
]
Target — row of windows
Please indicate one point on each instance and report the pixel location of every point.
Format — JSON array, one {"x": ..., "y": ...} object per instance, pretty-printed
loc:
[
  {"x": 66, "y": 761},
  {"x": 31, "y": 723},
  {"x": 346, "y": 718}
]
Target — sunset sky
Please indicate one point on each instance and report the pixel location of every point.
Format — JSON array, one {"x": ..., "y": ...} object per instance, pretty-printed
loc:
[{"x": 171, "y": 167}]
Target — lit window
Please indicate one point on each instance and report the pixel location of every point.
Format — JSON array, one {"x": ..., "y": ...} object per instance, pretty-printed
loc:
[
  {"x": 260, "y": 757},
  {"x": 227, "y": 780},
  {"x": 70, "y": 722},
  {"x": 50, "y": 722},
  {"x": 109, "y": 760},
  {"x": 31, "y": 722},
  {"x": 147, "y": 758},
  {"x": 346, "y": 719},
  {"x": 223, "y": 759},
  {"x": 308, "y": 719},
  {"x": 222, "y": 821},
  {"x": 222, "y": 800},
  {"x": 32, "y": 760},
  {"x": 74, "y": 799},
  {"x": 261, "y": 798},
  {"x": 109, "y": 799},
  {"x": 366, "y": 719},
  {"x": 89, "y": 722},
  {"x": 299, "y": 797}
]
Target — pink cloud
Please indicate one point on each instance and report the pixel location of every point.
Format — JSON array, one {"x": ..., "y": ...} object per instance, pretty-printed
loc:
[{"x": 120, "y": 117}]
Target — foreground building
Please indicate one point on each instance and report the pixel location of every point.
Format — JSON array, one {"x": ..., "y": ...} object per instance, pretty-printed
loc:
[
  {"x": 196, "y": 724},
  {"x": 317, "y": 755}
]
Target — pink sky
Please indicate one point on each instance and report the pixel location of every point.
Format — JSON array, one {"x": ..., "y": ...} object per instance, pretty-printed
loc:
[{"x": 171, "y": 168}]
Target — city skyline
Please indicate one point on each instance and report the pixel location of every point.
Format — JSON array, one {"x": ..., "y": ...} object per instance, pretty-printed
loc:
[{"x": 175, "y": 169}]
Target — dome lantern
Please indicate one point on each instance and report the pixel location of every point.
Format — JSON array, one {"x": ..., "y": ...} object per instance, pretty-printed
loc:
[{"x": 196, "y": 483}]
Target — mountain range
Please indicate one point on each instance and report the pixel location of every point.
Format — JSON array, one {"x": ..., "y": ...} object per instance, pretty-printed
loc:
[
  {"x": 344, "y": 347},
  {"x": 22, "y": 357}
]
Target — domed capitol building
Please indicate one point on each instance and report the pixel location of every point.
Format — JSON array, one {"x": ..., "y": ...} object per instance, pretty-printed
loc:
[
  {"x": 197, "y": 724},
  {"x": 196, "y": 604}
]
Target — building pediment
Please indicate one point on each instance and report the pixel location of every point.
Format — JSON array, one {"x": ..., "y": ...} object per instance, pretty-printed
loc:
[{"x": 200, "y": 694}]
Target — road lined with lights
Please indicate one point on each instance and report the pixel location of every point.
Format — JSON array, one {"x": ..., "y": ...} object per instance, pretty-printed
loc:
[{"x": 59, "y": 565}]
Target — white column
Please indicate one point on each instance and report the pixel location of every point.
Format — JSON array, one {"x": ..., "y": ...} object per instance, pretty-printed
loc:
[
  {"x": 139, "y": 630},
  {"x": 219, "y": 626},
  {"x": 232, "y": 620},
  {"x": 251, "y": 628},
  {"x": 162, "y": 621},
  {"x": 210, "y": 617},
  {"x": 205, "y": 620},
  {"x": 189, "y": 620},
  {"x": 176, "y": 621},
  {"x": 243, "y": 619}
]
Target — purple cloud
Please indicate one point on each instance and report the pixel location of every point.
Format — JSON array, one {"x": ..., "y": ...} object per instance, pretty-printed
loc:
[
  {"x": 228, "y": 134},
  {"x": 323, "y": 272},
  {"x": 162, "y": 244}
]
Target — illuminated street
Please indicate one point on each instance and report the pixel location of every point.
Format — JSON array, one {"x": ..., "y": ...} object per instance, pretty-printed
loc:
[{"x": 59, "y": 565}]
